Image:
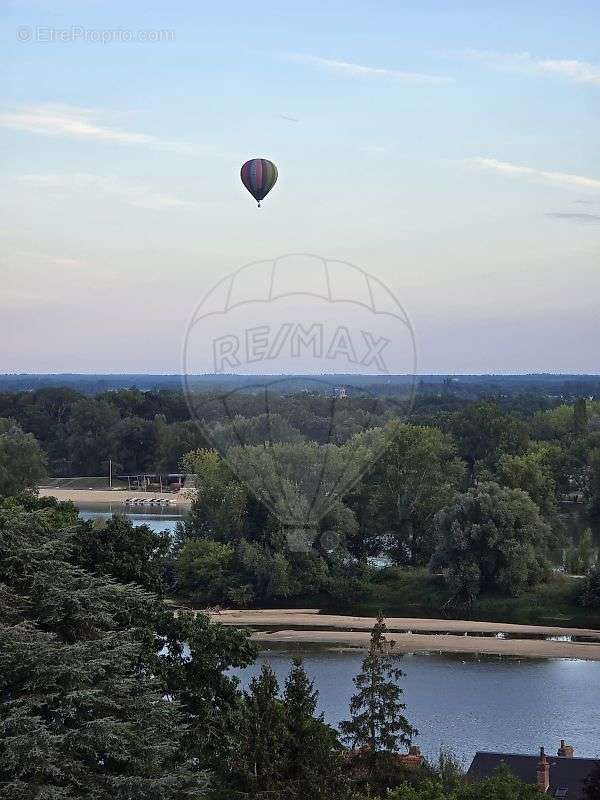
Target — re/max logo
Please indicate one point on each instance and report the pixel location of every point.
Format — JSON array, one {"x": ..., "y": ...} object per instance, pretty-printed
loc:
[{"x": 298, "y": 341}]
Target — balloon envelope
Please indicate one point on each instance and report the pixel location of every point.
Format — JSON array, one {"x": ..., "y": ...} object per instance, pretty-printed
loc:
[{"x": 259, "y": 176}]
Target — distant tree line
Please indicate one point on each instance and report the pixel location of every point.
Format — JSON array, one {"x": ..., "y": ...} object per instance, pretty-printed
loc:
[{"x": 469, "y": 489}]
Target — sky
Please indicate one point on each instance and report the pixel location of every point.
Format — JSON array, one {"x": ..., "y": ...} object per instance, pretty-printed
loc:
[{"x": 449, "y": 148}]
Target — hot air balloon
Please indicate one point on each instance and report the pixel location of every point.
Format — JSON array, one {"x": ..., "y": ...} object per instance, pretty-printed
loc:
[{"x": 259, "y": 176}]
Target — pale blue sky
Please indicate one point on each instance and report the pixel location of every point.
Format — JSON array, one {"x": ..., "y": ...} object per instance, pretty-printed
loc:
[{"x": 451, "y": 148}]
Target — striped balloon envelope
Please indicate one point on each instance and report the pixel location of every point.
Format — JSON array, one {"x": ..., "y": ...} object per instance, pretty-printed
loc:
[{"x": 259, "y": 175}]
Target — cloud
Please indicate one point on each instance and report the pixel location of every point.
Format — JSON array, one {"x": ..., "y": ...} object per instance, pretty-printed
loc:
[
  {"x": 565, "y": 179},
  {"x": 586, "y": 218},
  {"x": 570, "y": 69},
  {"x": 289, "y": 119},
  {"x": 361, "y": 71},
  {"x": 132, "y": 194},
  {"x": 80, "y": 123},
  {"x": 47, "y": 258}
]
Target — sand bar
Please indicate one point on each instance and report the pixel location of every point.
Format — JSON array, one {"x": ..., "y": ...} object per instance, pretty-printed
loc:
[
  {"x": 312, "y": 618},
  {"x": 178, "y": 500},
  {"x": 432, "y": 643},
  {"x": 308, "y": 626}
]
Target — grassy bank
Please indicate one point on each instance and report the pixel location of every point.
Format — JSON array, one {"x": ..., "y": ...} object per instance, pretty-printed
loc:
[{"x": 416, "y": 593}]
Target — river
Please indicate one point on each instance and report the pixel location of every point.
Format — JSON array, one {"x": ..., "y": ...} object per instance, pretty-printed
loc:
[
  {"x": 459, "y": 703},
  {"x": 467, "y": 704}
]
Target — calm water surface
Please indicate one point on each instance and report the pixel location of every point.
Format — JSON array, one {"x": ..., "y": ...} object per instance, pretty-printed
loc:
[
  {"x": 157, "y": 519},
  {"x": 466, "y": 704}
]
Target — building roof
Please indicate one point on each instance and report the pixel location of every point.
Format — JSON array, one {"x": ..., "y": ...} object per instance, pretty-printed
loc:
[{"x": 566, "y": 774}]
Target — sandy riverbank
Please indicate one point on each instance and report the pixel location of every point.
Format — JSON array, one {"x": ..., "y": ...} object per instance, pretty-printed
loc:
[
  {"x": 179, "y": 500},
  {"x": 412, "y": 635}
]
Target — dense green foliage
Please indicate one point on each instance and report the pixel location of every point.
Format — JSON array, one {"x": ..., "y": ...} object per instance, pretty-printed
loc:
[
  {"x": 79, "y": 714},
  {"x": 491, "y": 539},
  {"x": 284, "y": 748},
  {"x": 502, "y": 786},
  {"x": 107, "y": 694},
  {"x": 22, "y": 462},
  {"x": 99, "y": 696},
  {"x": 238, "y": 546}
]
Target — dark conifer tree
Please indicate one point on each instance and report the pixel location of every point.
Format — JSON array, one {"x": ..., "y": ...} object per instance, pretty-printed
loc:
[
  {"x": 80, "y": 716},
  {"x": 377, "y": 719},
  {"x": 262, "y": 733},
  {"x": 580, "y": 417},
  {"x": 312, "y": 763}
]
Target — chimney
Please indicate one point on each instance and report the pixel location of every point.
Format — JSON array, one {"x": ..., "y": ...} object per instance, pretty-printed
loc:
[
  {"x": 565, "y": 750},
  {"x": 413, "y": 759},
  {"x": 543, "y": 772}
]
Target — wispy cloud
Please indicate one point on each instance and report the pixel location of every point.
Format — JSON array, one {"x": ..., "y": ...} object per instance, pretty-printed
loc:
[
  {"x": 565, "y": 179},
  {"x": 132, "y": 194},
  {"x": 362, "y": 71},
  {"x": 569, "y": 69},
  {"x": 586, "y": 218},
  {"x": 288, "y": 119},
  {"x": 48, "y": 258},
  {"x": 80, "y": 123}
]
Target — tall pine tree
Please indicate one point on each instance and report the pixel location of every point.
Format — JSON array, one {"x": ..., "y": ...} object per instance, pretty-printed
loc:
[
  {"x": 312, "y": 766},
  {"x": 377, "y": 719},
  {"x": 262, "y": 734}
]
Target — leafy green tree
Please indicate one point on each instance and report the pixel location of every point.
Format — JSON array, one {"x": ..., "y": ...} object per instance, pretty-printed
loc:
[
  {"x": 204, "y": 569},
  {"x": 552, "y": 424},
  {"x": 174, "y": 441},
  {"x": 268, "y": 572},
  {"x": 133, "y": 444},
  {"x": 502, "y": 786},
  {"x": 589, "y": 596},
  {"x": 88, "y": 434},
  {"x": 484, "y": 433},
  {"x": 491, "y": 539},
  {"x": 581, "y": 558},
  {"x": 377, "y": 720},
  {"x": 219, "y": 510},
  {"x": 127, "y": 553},
  {"x": 22, "y": 462},
  {"x": 417, "y": 475},
  {"x": 191, "y": 656},
  {"x": 532, "y": 473}
]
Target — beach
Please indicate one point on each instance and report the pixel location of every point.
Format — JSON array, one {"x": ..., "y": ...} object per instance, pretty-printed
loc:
[
  {"x": 309, "y": 626},
  {"x": 178, "y": 500}
]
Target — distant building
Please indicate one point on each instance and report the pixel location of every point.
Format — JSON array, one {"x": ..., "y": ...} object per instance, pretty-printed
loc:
[{"x": 561, "y": 776}]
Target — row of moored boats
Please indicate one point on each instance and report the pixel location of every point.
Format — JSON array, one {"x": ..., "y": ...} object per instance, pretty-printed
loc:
[{"x": 150, "y": 501}]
